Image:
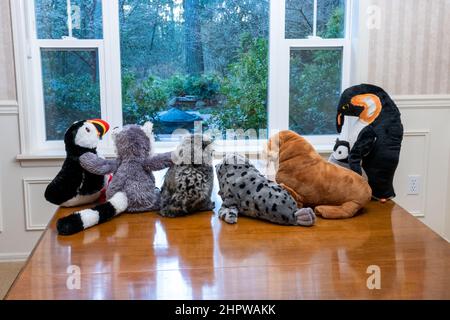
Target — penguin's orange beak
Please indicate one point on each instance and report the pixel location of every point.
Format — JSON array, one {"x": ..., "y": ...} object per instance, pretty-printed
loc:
[{"x": 101, "y": 126}]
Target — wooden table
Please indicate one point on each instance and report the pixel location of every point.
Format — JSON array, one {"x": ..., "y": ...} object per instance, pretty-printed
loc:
[{"x": 145, "y": 256}]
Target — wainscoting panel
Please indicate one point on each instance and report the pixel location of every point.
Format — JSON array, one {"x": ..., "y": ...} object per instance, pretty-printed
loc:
[
  {"x": 9, "y": 107},
  {"x": 38, "y": 211},
  {"x": 413, "y": 161},
  {"x": 425, "y": 152}
]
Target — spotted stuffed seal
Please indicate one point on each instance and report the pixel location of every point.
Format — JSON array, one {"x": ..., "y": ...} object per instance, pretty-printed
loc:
[{"x": 244, "y": 190}]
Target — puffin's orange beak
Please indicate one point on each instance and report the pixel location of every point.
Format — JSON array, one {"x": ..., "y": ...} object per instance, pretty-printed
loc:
[{"x": 101, "y": 126}]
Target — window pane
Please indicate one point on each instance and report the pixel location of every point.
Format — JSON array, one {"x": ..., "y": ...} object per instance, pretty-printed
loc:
[
  {"x": 299, "y": 18},
  {"x": 330, "y": 18},
  {"x": 52, "y": 22},
  {"x": 315, "y": 85},
  {"x": 193, "y": 60},
  {"x": 71, "y": 88}
]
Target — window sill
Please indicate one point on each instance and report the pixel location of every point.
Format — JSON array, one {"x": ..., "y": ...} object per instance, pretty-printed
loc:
[
  {"x": 56, "y": 157},
  {"x": 46, "y": 159}
]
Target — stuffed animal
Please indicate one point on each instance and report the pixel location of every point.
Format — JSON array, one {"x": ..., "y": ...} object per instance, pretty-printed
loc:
[
  {"x": 73, "y": 185},
  {"x": 188, "y": 184},
  {"x": 244, "y": 190},
  {"x": 334, "y": 191},
  {"x": 132, "y": 187},
  {"x": 371, "y": 134}
]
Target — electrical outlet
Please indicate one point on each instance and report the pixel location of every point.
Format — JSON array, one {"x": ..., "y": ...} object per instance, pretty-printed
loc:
[{"x": 413, "y": 184}]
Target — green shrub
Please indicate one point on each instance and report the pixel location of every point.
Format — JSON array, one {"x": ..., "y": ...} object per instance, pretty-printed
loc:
[
  {"x": 204, "y": 87},
  {"x": 142, "y": 100},
  {"x": 68, "y": 99},
  {"x": 175, "y": 86},
  {"x": 245, "y": 88}
]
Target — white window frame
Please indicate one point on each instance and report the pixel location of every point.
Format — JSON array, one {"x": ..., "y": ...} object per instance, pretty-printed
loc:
[
  {"x": 29, "y": 76},
  {"x": 279, "y": 66}
]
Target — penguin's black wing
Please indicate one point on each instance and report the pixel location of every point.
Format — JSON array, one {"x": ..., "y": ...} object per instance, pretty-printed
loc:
[
  {"x": 66, "y": 183},
  {"x": 363, "y": 145},
  {"x": 381, "y": 163}
]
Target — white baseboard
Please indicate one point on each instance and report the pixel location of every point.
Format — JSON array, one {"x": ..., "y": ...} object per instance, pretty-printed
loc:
[{"x": 13, "y": 257}]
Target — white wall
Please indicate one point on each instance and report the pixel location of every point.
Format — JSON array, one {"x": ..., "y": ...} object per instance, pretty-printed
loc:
[
  {"x": 425, "y": 152},
  {"x": 409, "y": 53},
  {"x": 426, "y": 147},
  {"x": 7, "y": 80}
]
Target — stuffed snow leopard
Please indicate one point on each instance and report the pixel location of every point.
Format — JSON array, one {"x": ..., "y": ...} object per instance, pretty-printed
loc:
[
  {"x": 188, "y": 184},
  {"x": 246, "y": 191}
]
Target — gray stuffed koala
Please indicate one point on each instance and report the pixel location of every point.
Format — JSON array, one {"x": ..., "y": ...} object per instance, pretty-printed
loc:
[
  {"x": 244, "y": 190},
  {"x": 132, "y": 187},
  {"x": 188, "y": 184}
]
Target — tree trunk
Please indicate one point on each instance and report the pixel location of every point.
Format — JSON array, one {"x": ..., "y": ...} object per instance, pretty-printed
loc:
[
  {"x": 192, "y": 37},
  {"x": 172, "y": 20}
]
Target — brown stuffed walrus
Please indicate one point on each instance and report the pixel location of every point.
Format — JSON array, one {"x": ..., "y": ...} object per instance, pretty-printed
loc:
[{"x": 334, "y": 191}]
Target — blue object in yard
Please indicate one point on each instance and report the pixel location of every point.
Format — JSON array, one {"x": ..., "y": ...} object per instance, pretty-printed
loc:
[{"x": 175, "y": 118}]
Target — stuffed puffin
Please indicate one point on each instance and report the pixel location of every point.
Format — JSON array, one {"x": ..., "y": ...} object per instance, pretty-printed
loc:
[
  {"x": 74, "y": 186},
  {"x": 370, "y": 139}
]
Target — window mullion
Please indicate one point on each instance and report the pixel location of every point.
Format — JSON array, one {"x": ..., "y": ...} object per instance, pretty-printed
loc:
[
  {"x": 347, "y": 49},
  {"x": 69, "y": 19},
  {"x": 37, "y": 123},
  {"x": 113, "y": 91},
  {"x": 315, "y": 19},
  {"x": 315, "y": 43},
  {"x": 278, "y": 69},
  {"x": 68, "y": 43}
]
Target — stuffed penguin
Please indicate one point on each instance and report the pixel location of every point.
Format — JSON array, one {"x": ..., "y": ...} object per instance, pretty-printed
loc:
[
  {"x": 371, "y": 134},
  {"x": 73, "y": 185}
]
